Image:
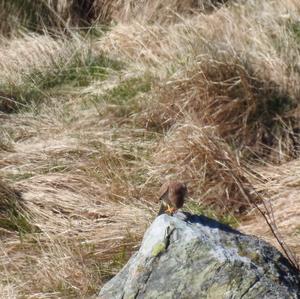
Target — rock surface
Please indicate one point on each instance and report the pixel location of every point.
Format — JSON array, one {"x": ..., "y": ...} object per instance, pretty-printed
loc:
[{"x": 188, "y": 256}]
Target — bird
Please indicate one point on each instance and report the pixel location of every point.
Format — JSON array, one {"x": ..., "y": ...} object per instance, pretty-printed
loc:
[{"x": 171, "y": 195}]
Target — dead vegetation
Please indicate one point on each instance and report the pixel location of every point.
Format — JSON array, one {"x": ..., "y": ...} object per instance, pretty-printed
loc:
[
  {"x": 280, "y": 185},
  {"x": 93, "y": 121},
  {"x": 41, "y": 15}
]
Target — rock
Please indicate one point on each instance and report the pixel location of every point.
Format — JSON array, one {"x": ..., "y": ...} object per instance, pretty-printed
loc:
[{"x": 188, "y": 256}]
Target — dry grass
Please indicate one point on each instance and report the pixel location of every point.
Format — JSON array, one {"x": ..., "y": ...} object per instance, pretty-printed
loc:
[
  {"x": 280, "y": 186},
  {"x": 74, "y": 215},
  {"x": 159, "y": 11},
  {"x": 27, "y": 62},
  {"x": 11, "y": 201},
  {"x": 198, "y": 156},
  {"x": 21, "y": 56},
  {"x": 249, "y": 92},
  {"x": 85, "y": 215},
  {"x": 91, "y": 126},
  {"x": 40, "y": 15}
]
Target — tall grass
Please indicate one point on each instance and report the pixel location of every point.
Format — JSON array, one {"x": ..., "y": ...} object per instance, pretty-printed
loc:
[
  {"x": 34, "y": 66},
  {"x": 236, "y": 78},
  {"x": 92, "y": 124},
  {"x": 40, "y": 15}
]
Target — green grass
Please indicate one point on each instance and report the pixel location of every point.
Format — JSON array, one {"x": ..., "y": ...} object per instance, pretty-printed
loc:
[
  {"x": 127, "y": 90},
  {"x": 11, "y": 215},
  {"x": 31, "y": 14},
  {"x": 198, "y": 209},
  {"x": 294, "y": 28},
  {"x": 107, "y": 270},
  {"x": 79, "y": 73},
  {"x": 16, "y": 177},
  {"x": 52, "y": 166},
  {"x": 41, "y": 85},
  {"x": 123, "y": 99},
  {"x": 56, "y": 166},
  {"x": 11, "y": 207},
  {"x": 15, "y": 221}
]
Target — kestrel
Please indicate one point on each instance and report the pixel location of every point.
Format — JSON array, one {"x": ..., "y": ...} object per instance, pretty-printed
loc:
[{"x": 171, "y": 195}]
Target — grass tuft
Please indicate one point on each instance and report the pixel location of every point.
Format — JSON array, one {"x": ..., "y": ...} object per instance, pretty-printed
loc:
[
  {"x": 124, "y": 99},
  {"x": 198, "y": 209},
  {"x": 44, "y": 84},
  {"x": 12, "y": 214}
]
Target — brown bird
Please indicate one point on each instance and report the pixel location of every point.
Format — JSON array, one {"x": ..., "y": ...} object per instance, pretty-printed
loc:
[{"x": 171, "y": 195}]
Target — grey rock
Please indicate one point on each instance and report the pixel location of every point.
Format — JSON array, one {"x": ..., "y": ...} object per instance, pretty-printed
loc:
[{"x": 188, "y": 256}]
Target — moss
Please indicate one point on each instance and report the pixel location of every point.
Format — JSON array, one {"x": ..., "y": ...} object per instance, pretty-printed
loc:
[
  {"x": 254, "y": 257},
  {"x": 217, "y": 291},
  {"x": 158, "y": 249},
  {"x": 244, "y": 251}
]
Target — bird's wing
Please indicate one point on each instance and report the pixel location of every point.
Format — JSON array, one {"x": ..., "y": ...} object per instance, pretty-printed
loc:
[
  {"x": 164, "y": 193},
  {"x": 164, "y": 198},
  {"x": 163, "y": 207}
]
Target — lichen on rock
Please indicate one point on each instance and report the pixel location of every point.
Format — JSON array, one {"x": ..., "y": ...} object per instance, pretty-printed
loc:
[
  {"x": 158, "y": 248},
  {"x": 188, "y": 256}
]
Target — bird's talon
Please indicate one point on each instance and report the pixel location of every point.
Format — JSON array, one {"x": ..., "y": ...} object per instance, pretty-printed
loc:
[{"x": 170, "y": 210}]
